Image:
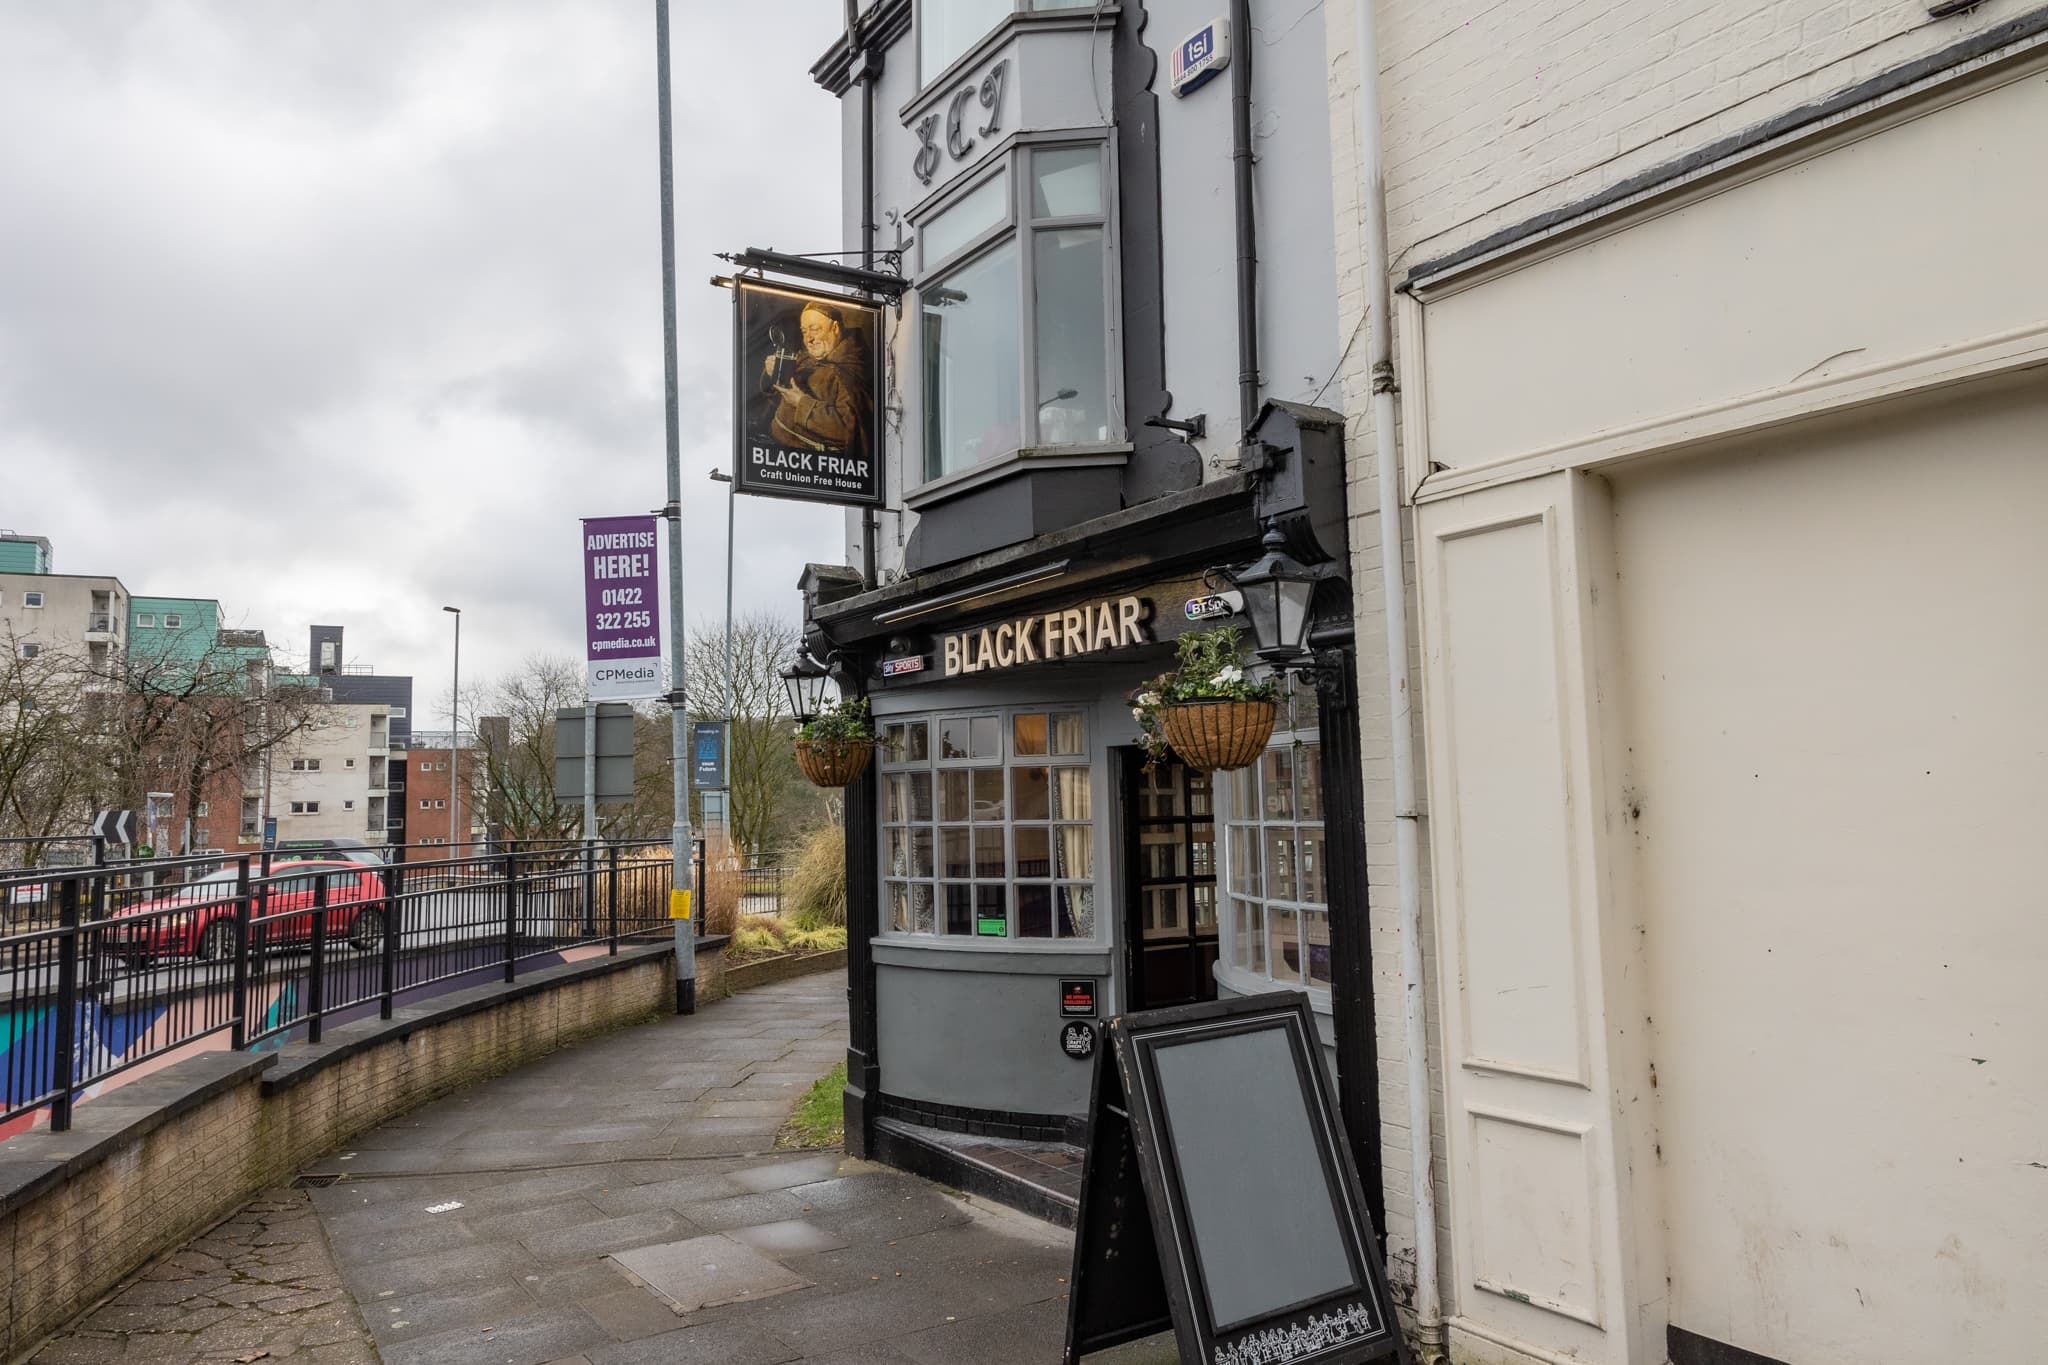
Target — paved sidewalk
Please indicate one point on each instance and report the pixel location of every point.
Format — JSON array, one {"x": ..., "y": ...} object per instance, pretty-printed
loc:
[
  {"x": 260, "y": 1286},
  {"x": 621, "y": 1202}
]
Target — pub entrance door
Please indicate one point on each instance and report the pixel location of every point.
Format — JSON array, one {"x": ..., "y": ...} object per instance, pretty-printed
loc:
[{"x": 1169, "y": 883}]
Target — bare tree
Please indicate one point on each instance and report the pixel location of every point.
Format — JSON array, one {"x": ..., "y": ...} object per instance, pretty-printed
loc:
[
  {"x": 518, "y": 750},
  {"x": 770, "y": 802},
  {"x": 48, "y": 768}
]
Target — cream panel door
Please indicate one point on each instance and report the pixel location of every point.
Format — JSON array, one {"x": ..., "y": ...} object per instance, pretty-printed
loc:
[{"x": 1541, "y": 1250}]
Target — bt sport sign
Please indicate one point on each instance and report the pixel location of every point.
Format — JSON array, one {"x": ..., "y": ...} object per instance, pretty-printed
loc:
[{"x": 621, "y": 608}]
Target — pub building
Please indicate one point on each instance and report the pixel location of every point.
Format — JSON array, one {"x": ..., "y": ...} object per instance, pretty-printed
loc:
[{"x": 1108, "y": 415}]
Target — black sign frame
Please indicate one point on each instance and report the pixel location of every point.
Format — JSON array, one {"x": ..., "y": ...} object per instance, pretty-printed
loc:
[
  {"x": 1136, "y": 1271},
  {"x": 751, "y": 347},
  {"x": 1077, "y": 997}
]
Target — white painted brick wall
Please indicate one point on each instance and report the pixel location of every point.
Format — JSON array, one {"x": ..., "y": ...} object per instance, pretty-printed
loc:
[{"x": 1495, "y": 111}]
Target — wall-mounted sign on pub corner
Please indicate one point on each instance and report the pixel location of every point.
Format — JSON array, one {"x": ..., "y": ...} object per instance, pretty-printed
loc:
[
  {"x": 805, "y": 393},
  {"x": 1045, "y": 637}
]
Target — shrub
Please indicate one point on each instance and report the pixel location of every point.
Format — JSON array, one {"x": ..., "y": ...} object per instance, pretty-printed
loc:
[
  {"x": 815, "y": 891},
  {"x": 824, "y": 939},
  {"x": 719, "y": 897},
  {"x": 758, "y": 935}
]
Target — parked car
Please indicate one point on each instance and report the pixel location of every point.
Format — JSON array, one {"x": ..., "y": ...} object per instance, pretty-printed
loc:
[{"x": 198, "y": 918}]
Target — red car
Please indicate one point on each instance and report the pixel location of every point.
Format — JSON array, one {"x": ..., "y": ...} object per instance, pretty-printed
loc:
[{"x": 198, "y": 918}]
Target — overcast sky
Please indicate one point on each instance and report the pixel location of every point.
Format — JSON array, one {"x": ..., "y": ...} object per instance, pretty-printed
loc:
[{"x": 341, "y": 310}]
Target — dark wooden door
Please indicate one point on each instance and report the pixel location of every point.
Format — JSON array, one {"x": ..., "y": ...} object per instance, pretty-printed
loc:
[{"x": 1170, "y": 884}]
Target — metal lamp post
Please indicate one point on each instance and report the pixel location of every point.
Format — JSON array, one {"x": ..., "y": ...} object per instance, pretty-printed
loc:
[
  {"x": 454, "y": 730},
  {"x": 808, "y": 686},
  {"x": 731, "y": 682},
  {"x": 1277, "y": 592}
]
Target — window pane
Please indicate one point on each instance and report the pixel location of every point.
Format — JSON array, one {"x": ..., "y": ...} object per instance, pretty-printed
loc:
[
  {"x": 986, "y": 737},
  {"x": 1276, "y": 770},
  {"x": 1244, "y": 793},
  {"x": 1315, "y": 943},
  {"x": 971, "y": 353},
  {"x": 1066, "y": 182},
  {"x": 1286, "y": 945},
  {"x": 909, "y": 798},
  {"x": 1077, "y": 851},
  {"x": 988, "y": 794},
  {"x": 1073, "y": 365},
  {"x": 923, "y": 911},
  {"x": 1159, "y": 791},
  {"x": 1201, "y": 794},
  {"x": 981, "y": 209},
  {"x": 1202, "y": 850},
  {"x": 1205, "y": 909},
  {"x": 1067, "y": 736},
  {"x": 1034, "y": 912},
  {"x": 1307, "y": 705},
  {"x": 1029, "y": 795},
  {"x": 1248, "y": 935},
  {"x": 1034, "y": 851},
  {"x": 899, "y": 907},
  {"x": 1071, "y": 794},
  {"x": 946, "y": 30},
  {"x": 956, "y": 796},
  {"x": 1280, "y": 880},
  {"x": 959, "y": 908},
  {"x": 953, "y": 738},
  {"x": 1244, "y": 860},
  {"x": 1077, "y": 911},
  {"x": 1165, "y": 911},
  {"x": 1308, "y": 782},
  {"x": 953, "y": 853},
  {"x": 909, "y": 743},
  {"x": 1315, "y": 885},
  {"x": 1161, "y": 855},
  {"x": 992, "y": 911},
  {"x": 988, "y": 853},
  {"x": 1028, "y": 734}
]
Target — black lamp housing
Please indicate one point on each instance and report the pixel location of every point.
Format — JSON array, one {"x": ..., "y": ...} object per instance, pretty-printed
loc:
[
  {"x": 809, "y": 687},
  {"x": 1278, "y": 590}
]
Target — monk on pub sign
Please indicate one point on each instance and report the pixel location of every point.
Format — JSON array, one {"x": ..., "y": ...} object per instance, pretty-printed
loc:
[{"x": 821, "y": 385}]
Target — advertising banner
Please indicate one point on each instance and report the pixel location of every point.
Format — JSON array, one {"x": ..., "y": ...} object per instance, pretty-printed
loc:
[
  {"x": 621, "y": 608},
  {"x": 707, "y": 755},
  {"x": 806, "y": 389}
]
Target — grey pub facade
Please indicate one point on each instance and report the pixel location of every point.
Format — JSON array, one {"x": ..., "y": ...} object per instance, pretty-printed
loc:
[{"x": 1107, "y": 382}]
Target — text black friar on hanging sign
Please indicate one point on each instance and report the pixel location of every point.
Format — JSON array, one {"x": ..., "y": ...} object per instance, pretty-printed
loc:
[{"x": 1219, "y": 1198}]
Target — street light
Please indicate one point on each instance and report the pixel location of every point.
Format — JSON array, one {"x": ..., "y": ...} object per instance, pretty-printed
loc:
[
  {"x": 454, "y": 730},
  {"x": 731, "y": 687},
  {"x": 1277, "y": 590},
  {"x": 807, "y": 684}
]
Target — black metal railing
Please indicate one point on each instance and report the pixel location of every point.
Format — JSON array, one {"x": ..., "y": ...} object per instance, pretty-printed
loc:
[{"x": 117, "y": 965}]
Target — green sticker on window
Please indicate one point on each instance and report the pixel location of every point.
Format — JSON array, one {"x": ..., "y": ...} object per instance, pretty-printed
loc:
[{"x": 992, "y": 928}]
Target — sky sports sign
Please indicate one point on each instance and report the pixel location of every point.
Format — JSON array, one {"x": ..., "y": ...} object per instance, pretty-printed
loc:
[{"x": 621, "y": 608}]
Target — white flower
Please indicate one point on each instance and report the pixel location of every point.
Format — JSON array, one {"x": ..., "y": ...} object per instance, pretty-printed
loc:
[
  {"x": 1148, "y": 699},
  {"x": 1137, "y": 715},
  {"x": 1230, "y": 673}
]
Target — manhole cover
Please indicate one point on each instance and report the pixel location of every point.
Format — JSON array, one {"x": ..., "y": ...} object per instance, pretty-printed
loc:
[{"x": 705, "y": 1272}]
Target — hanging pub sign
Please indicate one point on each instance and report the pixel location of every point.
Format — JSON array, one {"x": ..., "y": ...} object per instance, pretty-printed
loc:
[
  {"x": 806, "y": 387},
  {"x": 1219, "y": 1196}
]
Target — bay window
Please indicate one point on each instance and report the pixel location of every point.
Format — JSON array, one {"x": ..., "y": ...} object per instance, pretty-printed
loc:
[
  {"x": 1013, "y": 308},
  {"x": 1276, "y": 923},
  {"x": 988, "y": 826},
  {"x": 946, "y": 29}
]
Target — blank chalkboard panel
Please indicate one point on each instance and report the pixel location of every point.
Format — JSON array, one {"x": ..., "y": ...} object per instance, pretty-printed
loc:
[
  {"x": 1213, "y": 1124},
  {"x": 1262, "y": 1210}
]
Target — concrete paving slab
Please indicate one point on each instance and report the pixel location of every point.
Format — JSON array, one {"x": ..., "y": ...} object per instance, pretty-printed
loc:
[
  {"x": 781, "y": 1175},
  {"x": 792, "y": 1237},
  {"x": 710, "y": 1271}
]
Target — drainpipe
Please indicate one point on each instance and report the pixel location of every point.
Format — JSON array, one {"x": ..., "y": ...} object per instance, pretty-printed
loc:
[
  {"x": 866, "y": 74},
  {"x": 1247, "y": 228},
  {"x": 1429, "y": 1324}
]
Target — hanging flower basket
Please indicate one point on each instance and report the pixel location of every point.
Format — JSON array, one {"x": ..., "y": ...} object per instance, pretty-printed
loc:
[
  {"x": 833, "y": 762},
  {"x": 1209, "y": 711},
  {"x": 1213, "y": 735}
]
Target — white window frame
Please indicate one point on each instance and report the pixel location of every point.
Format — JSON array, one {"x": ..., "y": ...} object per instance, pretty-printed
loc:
[
  {"x": 1303, "y": 743},
  {"x": 145, "y": 620},
  {"x": 199, "y": 810},
  {"x": 32, "y": 600},
  {"x": 1006, "y": 760},
  {"x": 305, "y": 808},
  {"x": 29, "y": 649},
  {"x": 173, "y": 621},
  {"x": 1014, "y": 167},
  {"x": 348, "y": 805}
]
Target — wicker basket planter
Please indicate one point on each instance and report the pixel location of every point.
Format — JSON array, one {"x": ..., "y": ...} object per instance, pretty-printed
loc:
[
  {"x": 835, "y": 762},
  {"x": 1212, "y": 735}
]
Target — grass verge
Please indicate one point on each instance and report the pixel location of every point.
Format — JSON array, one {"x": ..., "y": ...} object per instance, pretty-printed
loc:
[{"x": 820, "y": 1119}]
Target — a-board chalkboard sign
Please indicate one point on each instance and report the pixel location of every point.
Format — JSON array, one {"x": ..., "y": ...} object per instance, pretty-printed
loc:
[{"x": 1219, "y": 1197}]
